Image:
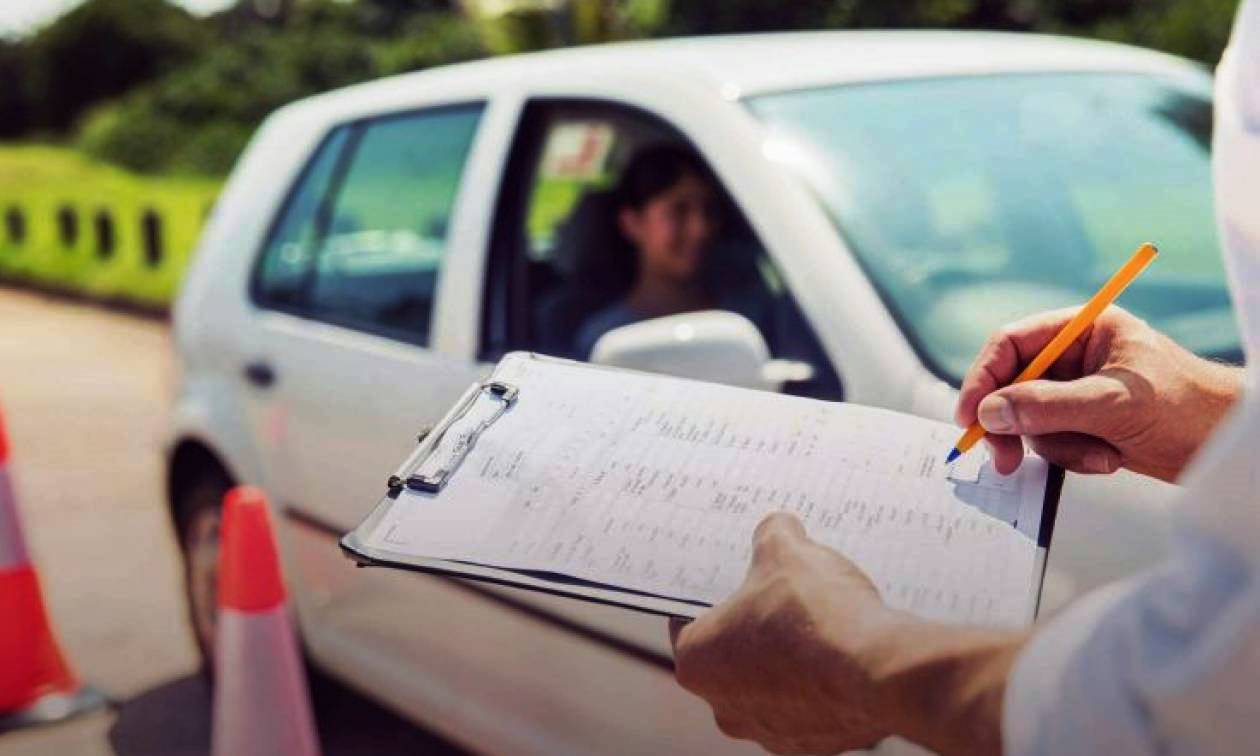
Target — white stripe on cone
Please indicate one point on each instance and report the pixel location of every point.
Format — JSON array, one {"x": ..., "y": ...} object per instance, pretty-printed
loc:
[
  {"x": 261, "y": 703},
  {"x": 13, "y": 552}
]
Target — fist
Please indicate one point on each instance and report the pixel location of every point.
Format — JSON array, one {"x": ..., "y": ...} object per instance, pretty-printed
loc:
[{"x": 783, "y": 660}]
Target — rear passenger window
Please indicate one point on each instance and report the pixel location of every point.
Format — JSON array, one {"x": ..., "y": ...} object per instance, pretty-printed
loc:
[
  {"x": 362, "y": 239},
  {"x": 288, "y": 256},
  {"x": 382, "y": 251}
]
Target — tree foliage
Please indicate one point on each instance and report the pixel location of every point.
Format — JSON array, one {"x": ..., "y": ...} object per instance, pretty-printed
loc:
[
  {"x": 1196, "y": 29},
  {"x": 102, "y": 49},
  {"x": 198, "y": 117},
  {"x": 144, "y": 84}
]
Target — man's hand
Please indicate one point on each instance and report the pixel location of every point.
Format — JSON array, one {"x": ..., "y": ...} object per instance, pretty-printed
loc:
[
  {"x": 806, "y": 658},
  {"x": 1123, "y": 395}
]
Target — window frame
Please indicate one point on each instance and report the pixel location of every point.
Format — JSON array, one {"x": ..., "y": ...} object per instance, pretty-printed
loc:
[
  {"x": 355, "y": 129},
  {"x": 505, "y": 311}
]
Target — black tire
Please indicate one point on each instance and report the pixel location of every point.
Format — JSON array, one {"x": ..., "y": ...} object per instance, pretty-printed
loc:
[{"x": 198, "y": 511}]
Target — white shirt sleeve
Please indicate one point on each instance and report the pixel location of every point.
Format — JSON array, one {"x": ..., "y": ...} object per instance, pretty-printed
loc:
[{"x": 1165, "y": 663}]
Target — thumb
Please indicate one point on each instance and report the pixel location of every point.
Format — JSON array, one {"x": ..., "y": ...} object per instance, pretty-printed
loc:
[
  {"x": 775, "y": 539},
  {"x": 676, "y": 627},
  {"x": 1087, "y": 405}
]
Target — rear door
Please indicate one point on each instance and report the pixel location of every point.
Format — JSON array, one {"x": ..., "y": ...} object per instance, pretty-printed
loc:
[
  {"x": 369, "y": 293},
  {"x": 344, "y": 371}
]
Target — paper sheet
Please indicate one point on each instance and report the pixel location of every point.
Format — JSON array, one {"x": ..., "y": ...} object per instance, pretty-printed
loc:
[{"x": 656, "y": 485}]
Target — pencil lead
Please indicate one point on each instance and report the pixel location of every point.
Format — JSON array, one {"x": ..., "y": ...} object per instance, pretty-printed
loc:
[{"x": 953, "y": 455}]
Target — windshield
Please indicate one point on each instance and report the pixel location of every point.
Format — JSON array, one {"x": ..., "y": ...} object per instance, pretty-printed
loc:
[{"x": 975, "y": 201}]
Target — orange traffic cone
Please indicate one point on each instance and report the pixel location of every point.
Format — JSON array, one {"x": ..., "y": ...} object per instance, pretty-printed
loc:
[
  {"x": 36, "y": 684},
  {"x": 261, "y": 703}
]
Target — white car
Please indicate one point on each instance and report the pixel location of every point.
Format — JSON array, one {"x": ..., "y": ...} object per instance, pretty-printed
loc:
[{"x": 892, "y": 198}]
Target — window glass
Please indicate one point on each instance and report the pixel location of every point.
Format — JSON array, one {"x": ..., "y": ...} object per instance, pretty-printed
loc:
[
  {"x": 576, "y": 269},
  {"x": 378, "y": 263},
  {"x": 974, "y": 201},
  {"x": 287, "y": 257},
  {"x": 575, "y": 159}
]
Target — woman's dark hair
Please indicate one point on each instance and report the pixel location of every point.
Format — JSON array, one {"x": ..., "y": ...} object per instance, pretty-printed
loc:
[
  {"x": 649, "y": 173},
  {"x": 655, "y": 170}
]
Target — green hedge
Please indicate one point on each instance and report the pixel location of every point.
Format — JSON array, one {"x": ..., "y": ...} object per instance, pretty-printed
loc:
[{"x": 40, "y": 183}]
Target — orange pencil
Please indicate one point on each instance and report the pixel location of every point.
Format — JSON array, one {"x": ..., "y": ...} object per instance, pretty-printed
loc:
[{"x": 1070, "y": 333}]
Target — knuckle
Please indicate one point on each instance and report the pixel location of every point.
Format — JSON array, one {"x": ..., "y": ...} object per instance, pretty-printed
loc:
[
  {"x": 776, "y": 540},
  {"x": 775, "y": 533},
  {"x": 686, "y": 672},
  {"x": 731, "y": 726},
  {"x": 775, "y": 523},
  {"x": 784, "y": 600},
  {"x": 1113, "y": 395},
  {"x": 1006, "y": 334},
  {"x": 992, "y": 348}
]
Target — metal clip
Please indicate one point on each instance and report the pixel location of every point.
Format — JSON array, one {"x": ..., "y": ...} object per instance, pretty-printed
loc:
[{"x": 433, "y": 482}]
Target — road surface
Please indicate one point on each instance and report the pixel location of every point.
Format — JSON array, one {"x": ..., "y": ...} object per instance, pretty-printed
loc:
[{"x": 84, "y": 394}]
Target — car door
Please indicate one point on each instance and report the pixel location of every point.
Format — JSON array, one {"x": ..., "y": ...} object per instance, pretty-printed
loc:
[
  {"x": 346, "y": 287},
  {"x": 347, "y": 371},
  {"x": 565, "y": 157}
]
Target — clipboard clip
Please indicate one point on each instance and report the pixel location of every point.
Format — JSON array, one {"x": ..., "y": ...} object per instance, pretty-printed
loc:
[{"x": 426, "y": 475}]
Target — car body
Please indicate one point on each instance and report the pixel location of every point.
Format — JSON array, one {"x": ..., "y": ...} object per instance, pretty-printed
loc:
[{"x": 313, "y": 392}]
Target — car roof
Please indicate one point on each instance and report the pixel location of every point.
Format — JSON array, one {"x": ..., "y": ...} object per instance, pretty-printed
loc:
[
  {"x": 746, "y": 65},
  {"x": 749, "y": 64}
]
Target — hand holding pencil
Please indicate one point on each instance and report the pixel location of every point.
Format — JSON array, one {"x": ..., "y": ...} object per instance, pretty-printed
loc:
[
  {"x": 1118, "y": 394},
  {"x": 1070, "y": 332}
]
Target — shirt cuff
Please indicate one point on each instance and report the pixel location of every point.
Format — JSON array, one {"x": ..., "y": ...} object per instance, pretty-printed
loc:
[{"x": 1041, "y": 693}]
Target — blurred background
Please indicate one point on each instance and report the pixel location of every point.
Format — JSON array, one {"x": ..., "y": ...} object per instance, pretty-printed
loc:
[
  {"x": 120, "y": 121},
  {"x": 120, "y": 118}
]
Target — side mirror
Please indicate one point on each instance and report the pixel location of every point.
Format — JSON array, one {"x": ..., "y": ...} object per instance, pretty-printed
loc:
[{"x": 714, "y": 345}]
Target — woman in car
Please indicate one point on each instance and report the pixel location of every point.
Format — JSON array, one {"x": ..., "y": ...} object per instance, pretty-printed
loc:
[{"x": 666, "y": 213}]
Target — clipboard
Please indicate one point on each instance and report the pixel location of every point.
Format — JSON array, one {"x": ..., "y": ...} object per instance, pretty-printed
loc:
[
  {"x": 441, "y": 453},
  {"x": 413, "y": 475}
]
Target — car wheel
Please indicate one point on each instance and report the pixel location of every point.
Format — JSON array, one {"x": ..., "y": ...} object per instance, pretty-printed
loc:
[{"x": 200, "y": 509}]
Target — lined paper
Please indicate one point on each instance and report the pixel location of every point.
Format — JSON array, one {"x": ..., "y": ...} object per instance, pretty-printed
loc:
[{"x": 655, "y": 485}]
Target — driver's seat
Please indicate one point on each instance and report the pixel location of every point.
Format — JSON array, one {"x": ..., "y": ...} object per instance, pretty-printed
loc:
[{"x": 595, "y": 267}]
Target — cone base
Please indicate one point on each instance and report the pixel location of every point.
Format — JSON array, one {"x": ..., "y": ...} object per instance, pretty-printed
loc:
[{"x": 53, "y": 708}]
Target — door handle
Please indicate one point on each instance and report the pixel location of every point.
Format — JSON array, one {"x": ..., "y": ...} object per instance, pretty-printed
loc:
[{"x": 260, "y": 374}]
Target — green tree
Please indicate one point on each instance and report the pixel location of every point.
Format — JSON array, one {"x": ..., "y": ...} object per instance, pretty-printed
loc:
[
  {"x": 104, "y": 48},
  {"x": 15, "y": 99},
  {"x": 197, "y": 118}
]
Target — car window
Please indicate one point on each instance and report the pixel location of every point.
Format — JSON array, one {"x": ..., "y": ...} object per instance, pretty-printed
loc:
[
  {"x": 380, "y": 255},
  {"x": 575, "y": 159},
  {"x": 287, "y": 256},
  {"x": 571, "y": 267}
]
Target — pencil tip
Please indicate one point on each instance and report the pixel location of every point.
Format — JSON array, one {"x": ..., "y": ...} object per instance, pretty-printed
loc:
[{"x": 953, "y": 455}]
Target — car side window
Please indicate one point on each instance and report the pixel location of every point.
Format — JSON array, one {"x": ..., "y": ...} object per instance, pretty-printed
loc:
[
  {"x": 361, "y": 240},
  {"x": 561, "y": 262},
  {"x": 381, "y": 253},
  {"x": 286, "y": 260}
]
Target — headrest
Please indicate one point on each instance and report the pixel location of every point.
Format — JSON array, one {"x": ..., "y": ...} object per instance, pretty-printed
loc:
[{"x": 589, "y": 248}]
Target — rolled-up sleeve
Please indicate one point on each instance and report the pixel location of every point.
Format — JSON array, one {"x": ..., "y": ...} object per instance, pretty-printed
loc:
[{"x": 1168, "y": 662}]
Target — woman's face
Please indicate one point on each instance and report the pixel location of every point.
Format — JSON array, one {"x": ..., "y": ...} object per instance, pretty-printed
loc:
[{"x": 674, "y": 229}]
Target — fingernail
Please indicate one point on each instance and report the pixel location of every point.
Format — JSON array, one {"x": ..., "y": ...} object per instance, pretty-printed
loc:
[
  {"x": 997, "y": 415},
  {"x": 1098, "y": 462}
]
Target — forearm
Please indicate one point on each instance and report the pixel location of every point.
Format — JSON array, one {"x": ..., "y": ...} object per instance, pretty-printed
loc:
[
  {"x": 1212, "y": 390},
  {"x": 944, "y": 684}
]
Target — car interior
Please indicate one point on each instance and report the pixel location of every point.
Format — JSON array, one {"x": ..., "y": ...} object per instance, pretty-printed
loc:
[{"x": 553, "y": 259}]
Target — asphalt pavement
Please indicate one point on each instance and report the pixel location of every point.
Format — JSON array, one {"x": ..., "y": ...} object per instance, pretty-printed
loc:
[{"x": 84, "y": 394}]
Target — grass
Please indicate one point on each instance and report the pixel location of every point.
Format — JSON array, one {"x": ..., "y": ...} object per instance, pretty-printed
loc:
[{"x": 39, "y": 182}]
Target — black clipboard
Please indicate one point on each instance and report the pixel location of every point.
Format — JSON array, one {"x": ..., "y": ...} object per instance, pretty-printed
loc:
[{"x": 425, "y": 475}]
